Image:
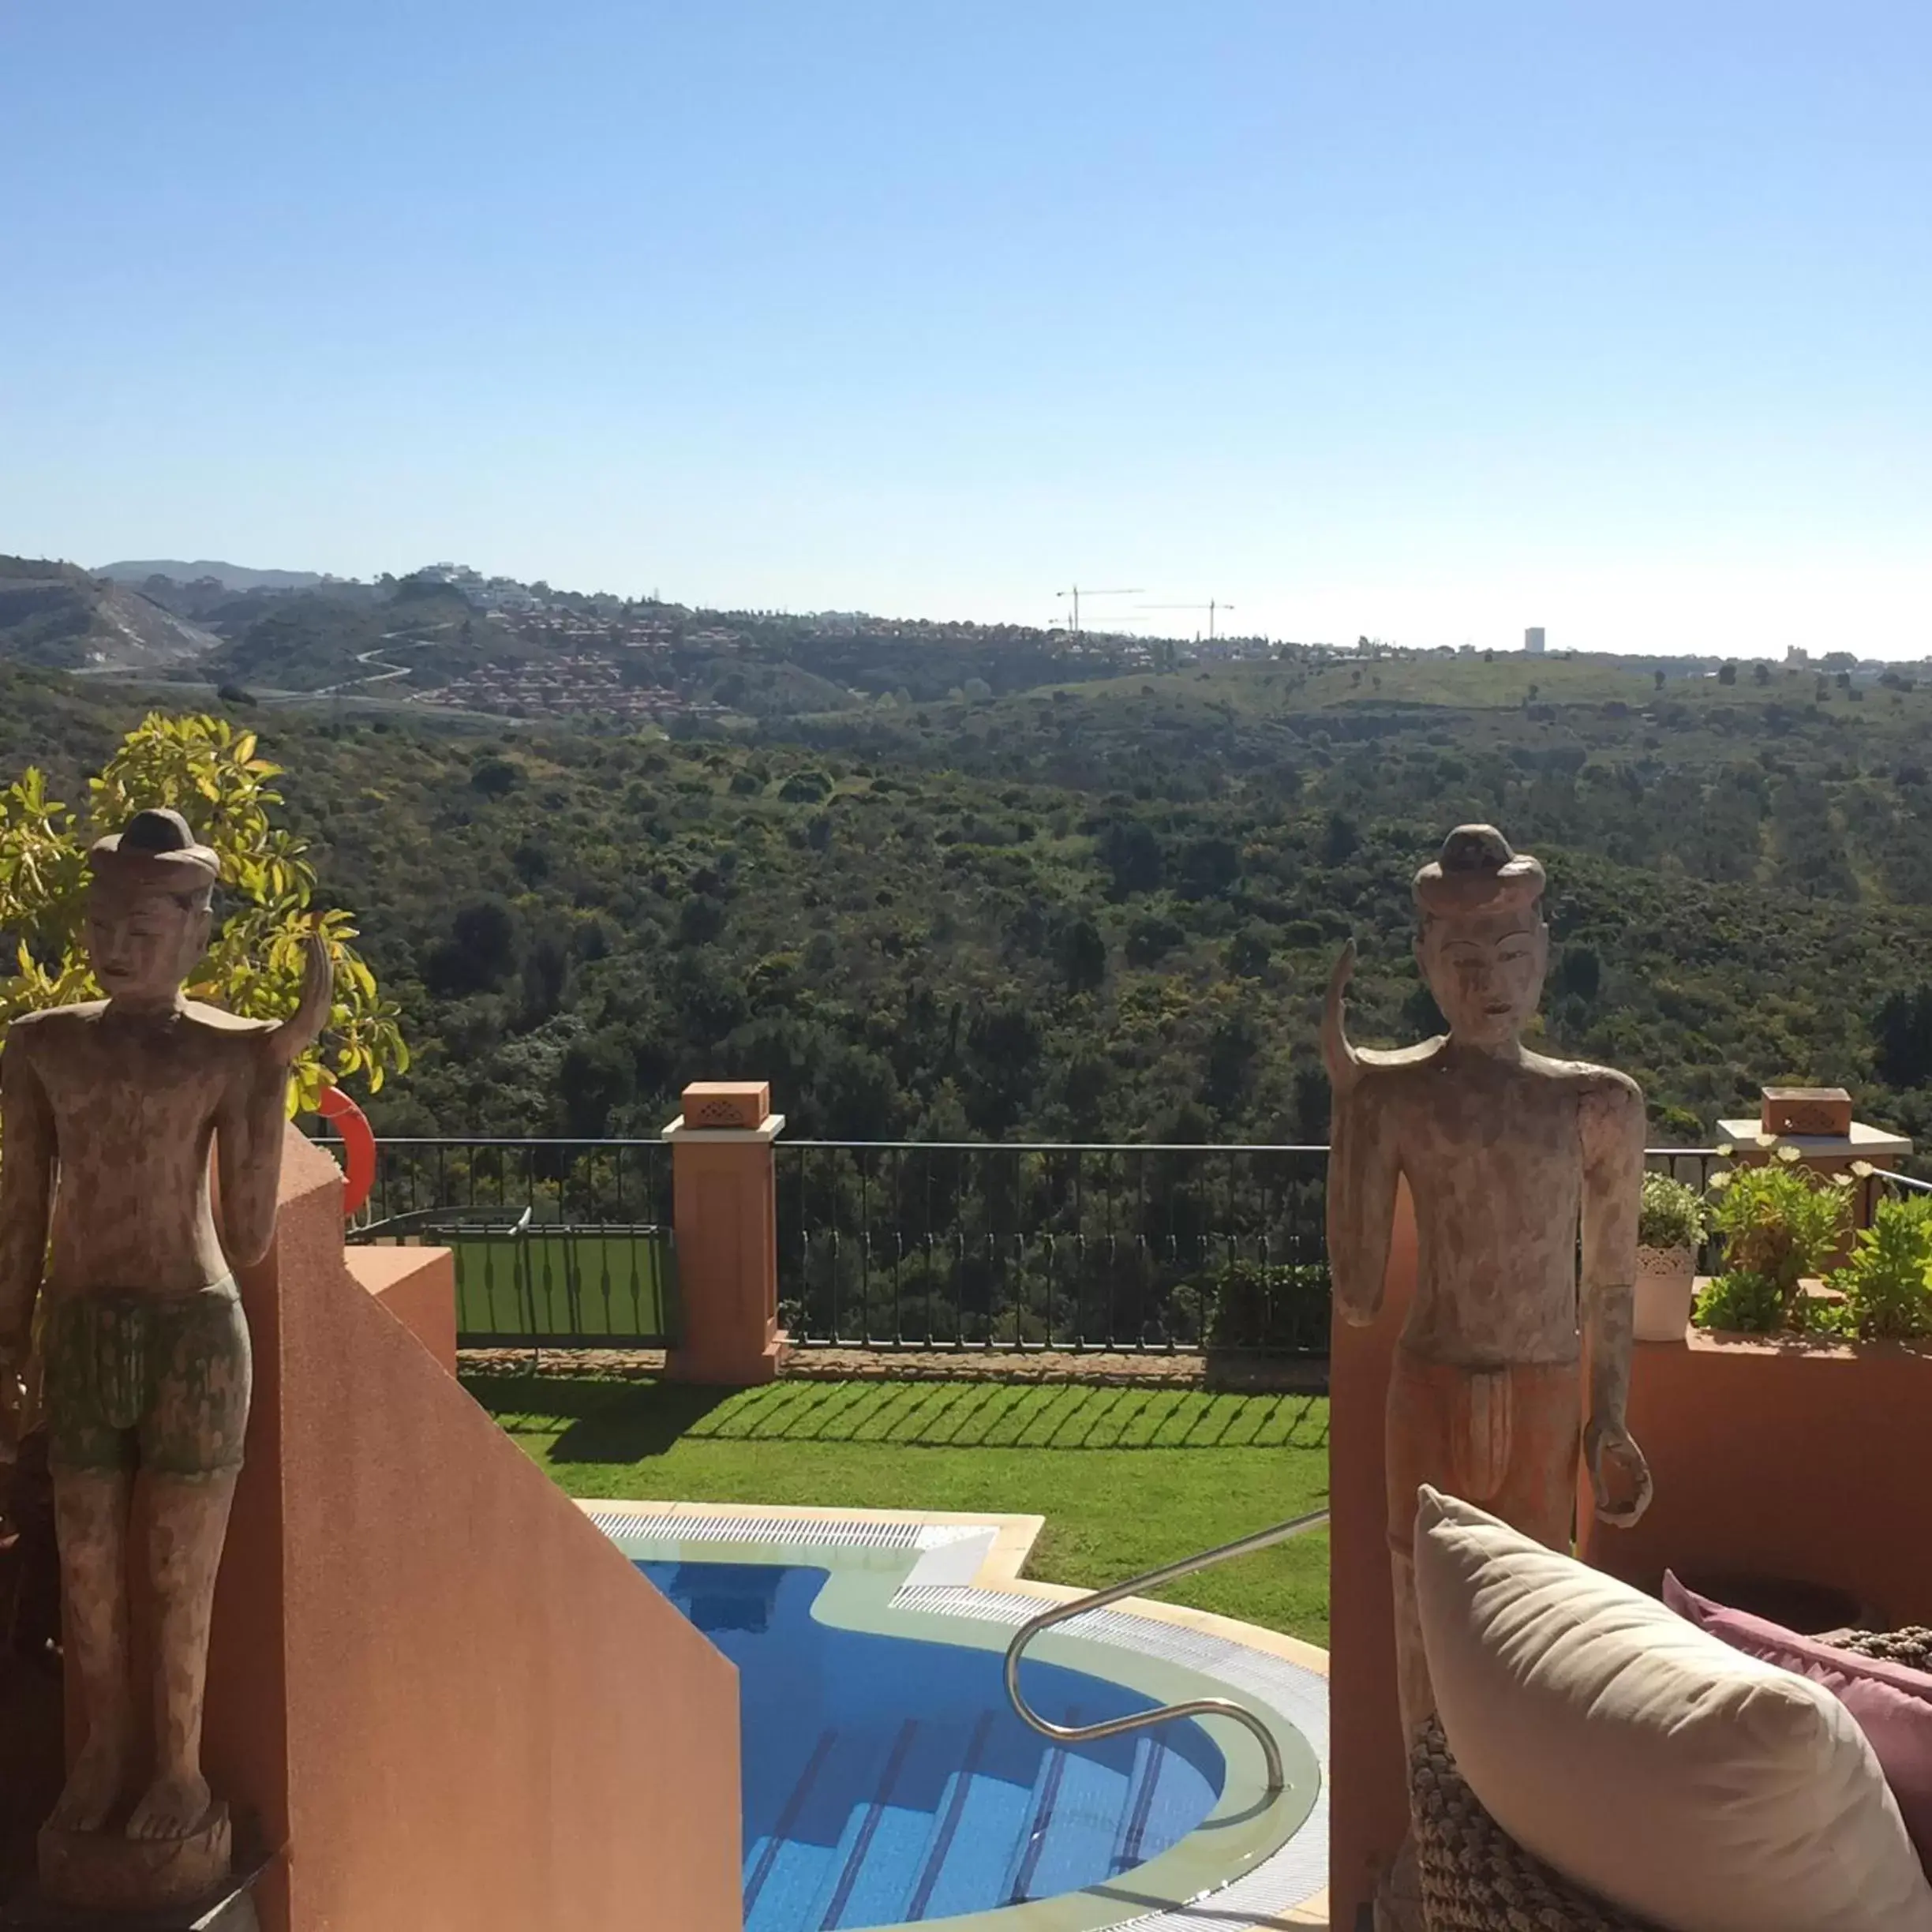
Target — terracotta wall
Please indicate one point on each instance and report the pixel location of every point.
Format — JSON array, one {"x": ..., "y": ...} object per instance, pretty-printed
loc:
[
  {"x": 417, "y": 1286},
  {"x": 1786, "y": 1460},
  {"x": 1369, "y": 1806},
  {"x": 447, "y": 1694}
]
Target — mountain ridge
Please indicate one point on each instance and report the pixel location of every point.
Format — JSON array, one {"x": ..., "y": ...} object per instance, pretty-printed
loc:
[{"x": 232, "y": 576}]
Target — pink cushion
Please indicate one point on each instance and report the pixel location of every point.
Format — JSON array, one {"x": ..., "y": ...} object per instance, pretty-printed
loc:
[{"x": 1893, "y": 1704}]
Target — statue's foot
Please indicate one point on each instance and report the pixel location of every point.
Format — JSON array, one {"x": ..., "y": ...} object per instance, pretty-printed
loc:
[
  {"x": 93, "y": 1786},
  {"x": 174, "y": 1807}
]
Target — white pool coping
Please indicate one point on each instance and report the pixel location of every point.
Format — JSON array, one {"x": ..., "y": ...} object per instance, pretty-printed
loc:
[{"x": 968, "y": 1566}]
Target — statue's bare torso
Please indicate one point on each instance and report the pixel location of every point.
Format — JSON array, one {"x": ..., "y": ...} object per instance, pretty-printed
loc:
[
  {"x": 1495, "y": 1151},
  {"x": 134, "y": 1102}
]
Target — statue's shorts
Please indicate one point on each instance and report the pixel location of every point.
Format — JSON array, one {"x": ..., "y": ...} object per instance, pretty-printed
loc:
[
  {"x": 1505, "y": 1439},
  {"x": 159, "y": 1381}
]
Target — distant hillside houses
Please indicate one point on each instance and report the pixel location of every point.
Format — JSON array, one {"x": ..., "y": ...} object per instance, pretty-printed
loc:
[{"x": 489, "y": 593}]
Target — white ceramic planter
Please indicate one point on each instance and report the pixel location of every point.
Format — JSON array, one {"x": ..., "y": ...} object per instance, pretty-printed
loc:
[{"x": 1664, "y": 1283}]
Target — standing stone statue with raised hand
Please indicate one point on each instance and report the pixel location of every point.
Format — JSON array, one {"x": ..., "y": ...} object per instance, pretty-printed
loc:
[
  {"x": 1508, "y": 1156},
  {"x": 110, "y": 1111}
]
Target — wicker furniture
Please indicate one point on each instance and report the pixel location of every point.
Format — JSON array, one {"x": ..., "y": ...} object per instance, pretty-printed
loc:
[{"x": 1476, "y": 1878}]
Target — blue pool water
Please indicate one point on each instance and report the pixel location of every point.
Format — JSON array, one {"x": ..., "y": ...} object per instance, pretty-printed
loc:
[{"x": 887, "y": 1779}]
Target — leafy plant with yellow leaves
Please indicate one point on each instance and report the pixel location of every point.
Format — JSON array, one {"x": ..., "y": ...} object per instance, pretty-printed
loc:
[{"x": 209, "y": 772}]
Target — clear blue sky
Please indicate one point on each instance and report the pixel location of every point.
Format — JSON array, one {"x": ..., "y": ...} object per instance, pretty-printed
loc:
[{"x": 1422, "y": 320}]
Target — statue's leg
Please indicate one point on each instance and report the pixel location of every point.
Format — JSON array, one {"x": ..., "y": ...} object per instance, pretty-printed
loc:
[
  {"x": 1419, "y": 1447},
  {"x": 187, "y": 1524},
  {"x": 191, "y": 1454},
  {"x": 90, "y": 1522},
  {"x": 1539, "y": 1494}
]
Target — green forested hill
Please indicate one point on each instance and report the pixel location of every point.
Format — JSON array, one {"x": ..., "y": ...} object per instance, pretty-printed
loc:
[{"x": 1109, "y": 911}]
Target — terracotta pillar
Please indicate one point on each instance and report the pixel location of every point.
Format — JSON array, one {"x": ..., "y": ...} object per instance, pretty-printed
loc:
[
  {"x": 725, "y": 1210},
  {"x": 1368, "y": 1799}
]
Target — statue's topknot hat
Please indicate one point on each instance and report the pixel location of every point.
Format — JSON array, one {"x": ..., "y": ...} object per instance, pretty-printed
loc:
[
  {"x": 156, "y": 852},
  {"x": 1476, "y": 871}
]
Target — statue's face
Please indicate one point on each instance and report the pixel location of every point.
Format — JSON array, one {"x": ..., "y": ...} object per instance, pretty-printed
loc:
[
  {"x": 1486, "y": 971},
  {"x": 144, "y": 945}
]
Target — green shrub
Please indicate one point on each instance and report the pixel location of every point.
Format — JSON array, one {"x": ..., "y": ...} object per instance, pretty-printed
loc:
[
  {"x": 1248, "y": 1304},
  {"x": 1741, "y": 1303},
  {"x": 1778, "y": 1222},
  {"x": 1887, "y": 1284},
  {"x": 1673, "y": 1214}
]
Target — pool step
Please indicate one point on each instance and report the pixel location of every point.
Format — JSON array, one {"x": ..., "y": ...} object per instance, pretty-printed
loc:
[
  {"x": 985, "y": 1814},
  {"x": 932, "y": 1819},
  {"x": 1043, "y": 1804}
]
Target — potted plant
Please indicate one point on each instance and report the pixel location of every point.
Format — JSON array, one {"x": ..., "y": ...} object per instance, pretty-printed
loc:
[
  {"x": 1669, "y": 1232},
  {"x": 1780, "y": 1222},
  {"x": 1887, "y": 1284}
]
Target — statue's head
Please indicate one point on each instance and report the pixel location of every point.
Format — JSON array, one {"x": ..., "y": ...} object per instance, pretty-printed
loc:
[
  {"x": 1483, "y": 947},
  {"x": 150, "y": 905}
]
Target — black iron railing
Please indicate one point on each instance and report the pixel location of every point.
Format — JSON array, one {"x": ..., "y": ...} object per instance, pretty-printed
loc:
[
  {"x": 557, "y": 1244},
  {"x": 905, "y": 1245},
  {"x": 583, "y": 1182},
  {"x": 1011, "y": 1246}
]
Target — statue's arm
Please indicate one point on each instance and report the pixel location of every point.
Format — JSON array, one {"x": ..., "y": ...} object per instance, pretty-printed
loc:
[
  {"x": 1363, "y": 1164},
  {"x": 247, "y": 1151},
  {"x": 249, "y": 1126},
  {"x": 26, "y": 1193},
  {"x": 1611, "y": 1126},
  {"x": 1363, "y": 1167}
]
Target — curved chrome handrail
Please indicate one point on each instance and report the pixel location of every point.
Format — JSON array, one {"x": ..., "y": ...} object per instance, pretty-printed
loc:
[{"x": 1193, "y": 1707}]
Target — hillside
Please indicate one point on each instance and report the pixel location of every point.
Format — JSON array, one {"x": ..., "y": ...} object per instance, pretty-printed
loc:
[
  {"x": 229, "y": 576},
  {"x": 56, "y": 615},
  {"x": 1108, "y": 911}
]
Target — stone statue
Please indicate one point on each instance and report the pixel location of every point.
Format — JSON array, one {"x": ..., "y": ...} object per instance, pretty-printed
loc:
[
  {"x": 109, "y": 1111},
  {"x": 1506, "y": 1154}
]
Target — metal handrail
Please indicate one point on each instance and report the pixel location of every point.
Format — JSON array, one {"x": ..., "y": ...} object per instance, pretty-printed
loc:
[
  {"x": 453, "y": 1220},
  {"x": 1192, "y": 1707}
]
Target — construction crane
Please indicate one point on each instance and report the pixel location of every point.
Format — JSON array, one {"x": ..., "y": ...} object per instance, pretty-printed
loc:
[
  {"x": 1076, "y": 593},
  {"x": 1212, "y": 605}
]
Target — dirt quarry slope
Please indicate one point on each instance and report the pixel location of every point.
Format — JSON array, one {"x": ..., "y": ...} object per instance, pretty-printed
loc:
[{"x": 57, "y": 616}]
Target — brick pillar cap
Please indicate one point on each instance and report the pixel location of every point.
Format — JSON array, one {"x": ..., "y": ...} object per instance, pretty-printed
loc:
[{"x": 727, "y": 1106}]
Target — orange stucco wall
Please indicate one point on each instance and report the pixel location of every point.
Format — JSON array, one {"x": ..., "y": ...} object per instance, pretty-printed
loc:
[
  {"x": 1369, "y": 1806},
  {"x": 432, "y": 1679},
  {"x": 417, "y": 1286},
  {"x": 1783, "y": 1459}
]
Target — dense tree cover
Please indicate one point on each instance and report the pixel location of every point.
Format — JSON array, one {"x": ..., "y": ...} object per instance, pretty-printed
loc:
[{"x": 1109, "y": 912}]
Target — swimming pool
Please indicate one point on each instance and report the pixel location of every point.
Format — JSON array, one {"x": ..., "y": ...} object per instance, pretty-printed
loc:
[{"x": 887, "y": 1780}]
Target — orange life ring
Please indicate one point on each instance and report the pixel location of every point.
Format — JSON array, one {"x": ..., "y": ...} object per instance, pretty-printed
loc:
[{"x": 358, "y": 1144}]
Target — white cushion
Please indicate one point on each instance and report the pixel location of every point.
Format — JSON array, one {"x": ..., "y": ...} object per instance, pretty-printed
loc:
[{"x": 1652, "y": 1764}]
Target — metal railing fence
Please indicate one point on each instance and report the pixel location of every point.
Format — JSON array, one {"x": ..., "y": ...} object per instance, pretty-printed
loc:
[
  {"x": 1009, "y": 1246},
  {"x": 557, "y": 1244},
  {"x": 999, "y": 1246}
]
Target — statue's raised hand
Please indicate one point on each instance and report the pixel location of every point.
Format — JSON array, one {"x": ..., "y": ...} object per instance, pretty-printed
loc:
[
  {"x": 1610, "y": 1442},
  {"x": 1344, "y": 1067},
  {"x": 303, "y": 1028}
]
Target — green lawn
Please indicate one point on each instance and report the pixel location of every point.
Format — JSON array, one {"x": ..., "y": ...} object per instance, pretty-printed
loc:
[{"x": 1127, "y": 1478}]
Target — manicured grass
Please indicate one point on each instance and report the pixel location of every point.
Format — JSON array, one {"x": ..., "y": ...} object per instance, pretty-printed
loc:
[{"x": 1127, "y": 1478}]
